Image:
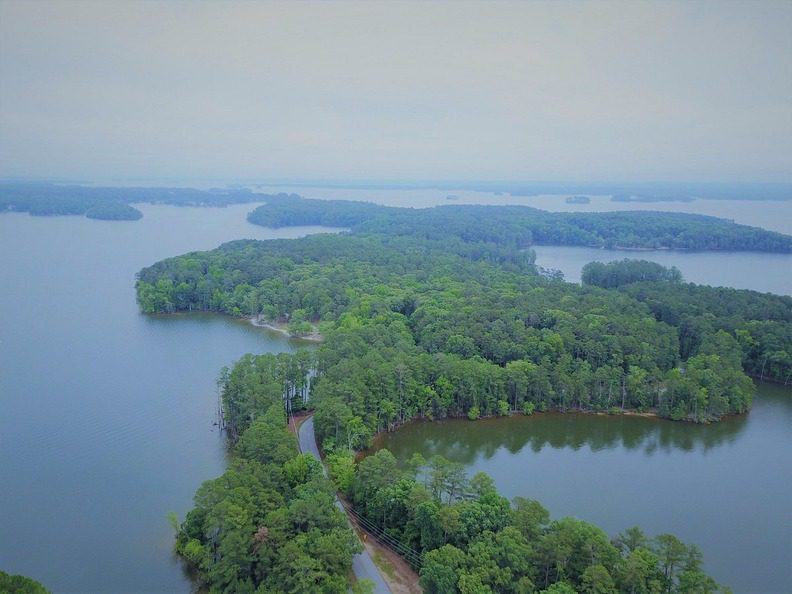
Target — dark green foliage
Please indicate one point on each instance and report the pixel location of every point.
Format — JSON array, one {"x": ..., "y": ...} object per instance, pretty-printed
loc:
[
  {"x": 257, "y": 383},
  {"x": 269, "y": 523},
  {"x": 760, "y": 324},
  {"x": 323, "y": 276},
  {"x": 624, "y": 272},
  {"x": 420, "y": 331},
  {"x": 440, "y": 319},
  {"x": 18, "y": 584},
  {"x": 521, "y": 226}
]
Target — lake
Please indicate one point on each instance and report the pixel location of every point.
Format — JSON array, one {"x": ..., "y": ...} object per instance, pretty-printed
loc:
[
  {"x": 107, "y": 413},
  {"x": 724, "y": 487}
]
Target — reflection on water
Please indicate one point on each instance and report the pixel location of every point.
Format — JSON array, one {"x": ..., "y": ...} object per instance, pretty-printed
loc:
[
  {"x": 619, "y": 471},
  {"x": 457, "y": 439}
]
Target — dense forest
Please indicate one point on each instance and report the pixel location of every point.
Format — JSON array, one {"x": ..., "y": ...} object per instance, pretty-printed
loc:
[
  {"x": 468, "y": 539},
  {"x": 112, "y": 203},
  {"x": 522, "y": 226},
  {"x": 269, "y": 524},
  {"x": 415, "y": 330},
  {"x": 113, "y": 211},
  {"x": 432, "y": 325},
  {"x": 458, "y": 532}
]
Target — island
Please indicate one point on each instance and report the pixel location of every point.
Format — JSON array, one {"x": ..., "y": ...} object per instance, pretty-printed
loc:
[
  {"x": 578, "y": 200},
  {"x": 111, "y": 203},
  {"x": 522, "y": 226}
]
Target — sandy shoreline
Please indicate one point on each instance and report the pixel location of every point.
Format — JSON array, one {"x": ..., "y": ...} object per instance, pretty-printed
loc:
[{"x": 282, "y": 329}]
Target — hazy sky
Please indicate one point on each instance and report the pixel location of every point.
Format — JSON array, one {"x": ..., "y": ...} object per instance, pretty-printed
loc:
[{"x": 398, "y": 91}]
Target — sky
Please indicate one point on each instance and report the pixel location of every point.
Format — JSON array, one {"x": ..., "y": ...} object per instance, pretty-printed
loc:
[{"x": 400, "y": 91}]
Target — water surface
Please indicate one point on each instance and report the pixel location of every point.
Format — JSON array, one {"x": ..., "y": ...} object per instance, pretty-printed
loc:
[
  {"x": 108, "y": 419},
  {"x": 724, "y": 487},
  {"x": 107, "y": 413},
  {"x": 768, "y": 273}
]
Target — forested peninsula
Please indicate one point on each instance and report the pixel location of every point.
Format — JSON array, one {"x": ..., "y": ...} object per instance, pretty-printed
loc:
[
  {"x": 421, "y": 323},
  {"x": 458, "y": 532},
  {"x": 522, "y": 226}
]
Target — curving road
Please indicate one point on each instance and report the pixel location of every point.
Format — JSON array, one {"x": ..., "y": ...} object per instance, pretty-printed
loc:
[{"x": 362, "y": 564}]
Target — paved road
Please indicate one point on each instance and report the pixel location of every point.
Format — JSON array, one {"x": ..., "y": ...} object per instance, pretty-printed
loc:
[{"x": 362, "y": 564}]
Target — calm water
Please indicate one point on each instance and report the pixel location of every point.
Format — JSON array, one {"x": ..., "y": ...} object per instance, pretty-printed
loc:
[
  {"x": 770, "y": 273},
  {"x": 107, "y": 413},
  {"x": 724, "y": 487}
]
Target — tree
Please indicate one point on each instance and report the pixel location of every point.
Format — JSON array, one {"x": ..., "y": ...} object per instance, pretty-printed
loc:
[
  {"x": 597, "y": 580},
  {"x": 442, "y": 569}
]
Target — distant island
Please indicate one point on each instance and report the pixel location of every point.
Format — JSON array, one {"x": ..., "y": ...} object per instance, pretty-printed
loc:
[
  {"x": 650, "y": 198},
  {"x": 578, "y": 200},
  {"x": 111, "y": 203},
  {"x": 650, "y": 191},
  {"x": 113, "y": 211},
  {"x": 521, "y": 226}
]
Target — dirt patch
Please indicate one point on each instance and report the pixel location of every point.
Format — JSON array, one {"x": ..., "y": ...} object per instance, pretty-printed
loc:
[
  {"x": 282, "y": 328},
  {"x": 399, "y": 575}
]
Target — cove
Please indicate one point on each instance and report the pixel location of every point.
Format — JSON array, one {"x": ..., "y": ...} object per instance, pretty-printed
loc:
[
  {"x": 723, "y": 487},
  {"x": 766, "y": 273},
  {"x": 108, "y": 413}
]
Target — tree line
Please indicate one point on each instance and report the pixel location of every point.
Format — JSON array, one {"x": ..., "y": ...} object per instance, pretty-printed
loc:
[
  {"x": 269, "y": 524},
  {"x": 461, "y": 535}
]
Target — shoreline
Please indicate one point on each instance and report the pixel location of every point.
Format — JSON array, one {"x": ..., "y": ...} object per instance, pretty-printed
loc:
[
  {"x": 282, "y": 329},
  {"x": 651, "y": 414}
]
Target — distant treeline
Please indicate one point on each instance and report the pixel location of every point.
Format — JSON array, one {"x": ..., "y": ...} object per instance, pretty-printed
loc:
[
  {"x": 522, "y": 226},
  {"x": 110, "y": 203},
  {"x": 649, "y": 191},
  {"x": 633, "y": 191}
]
